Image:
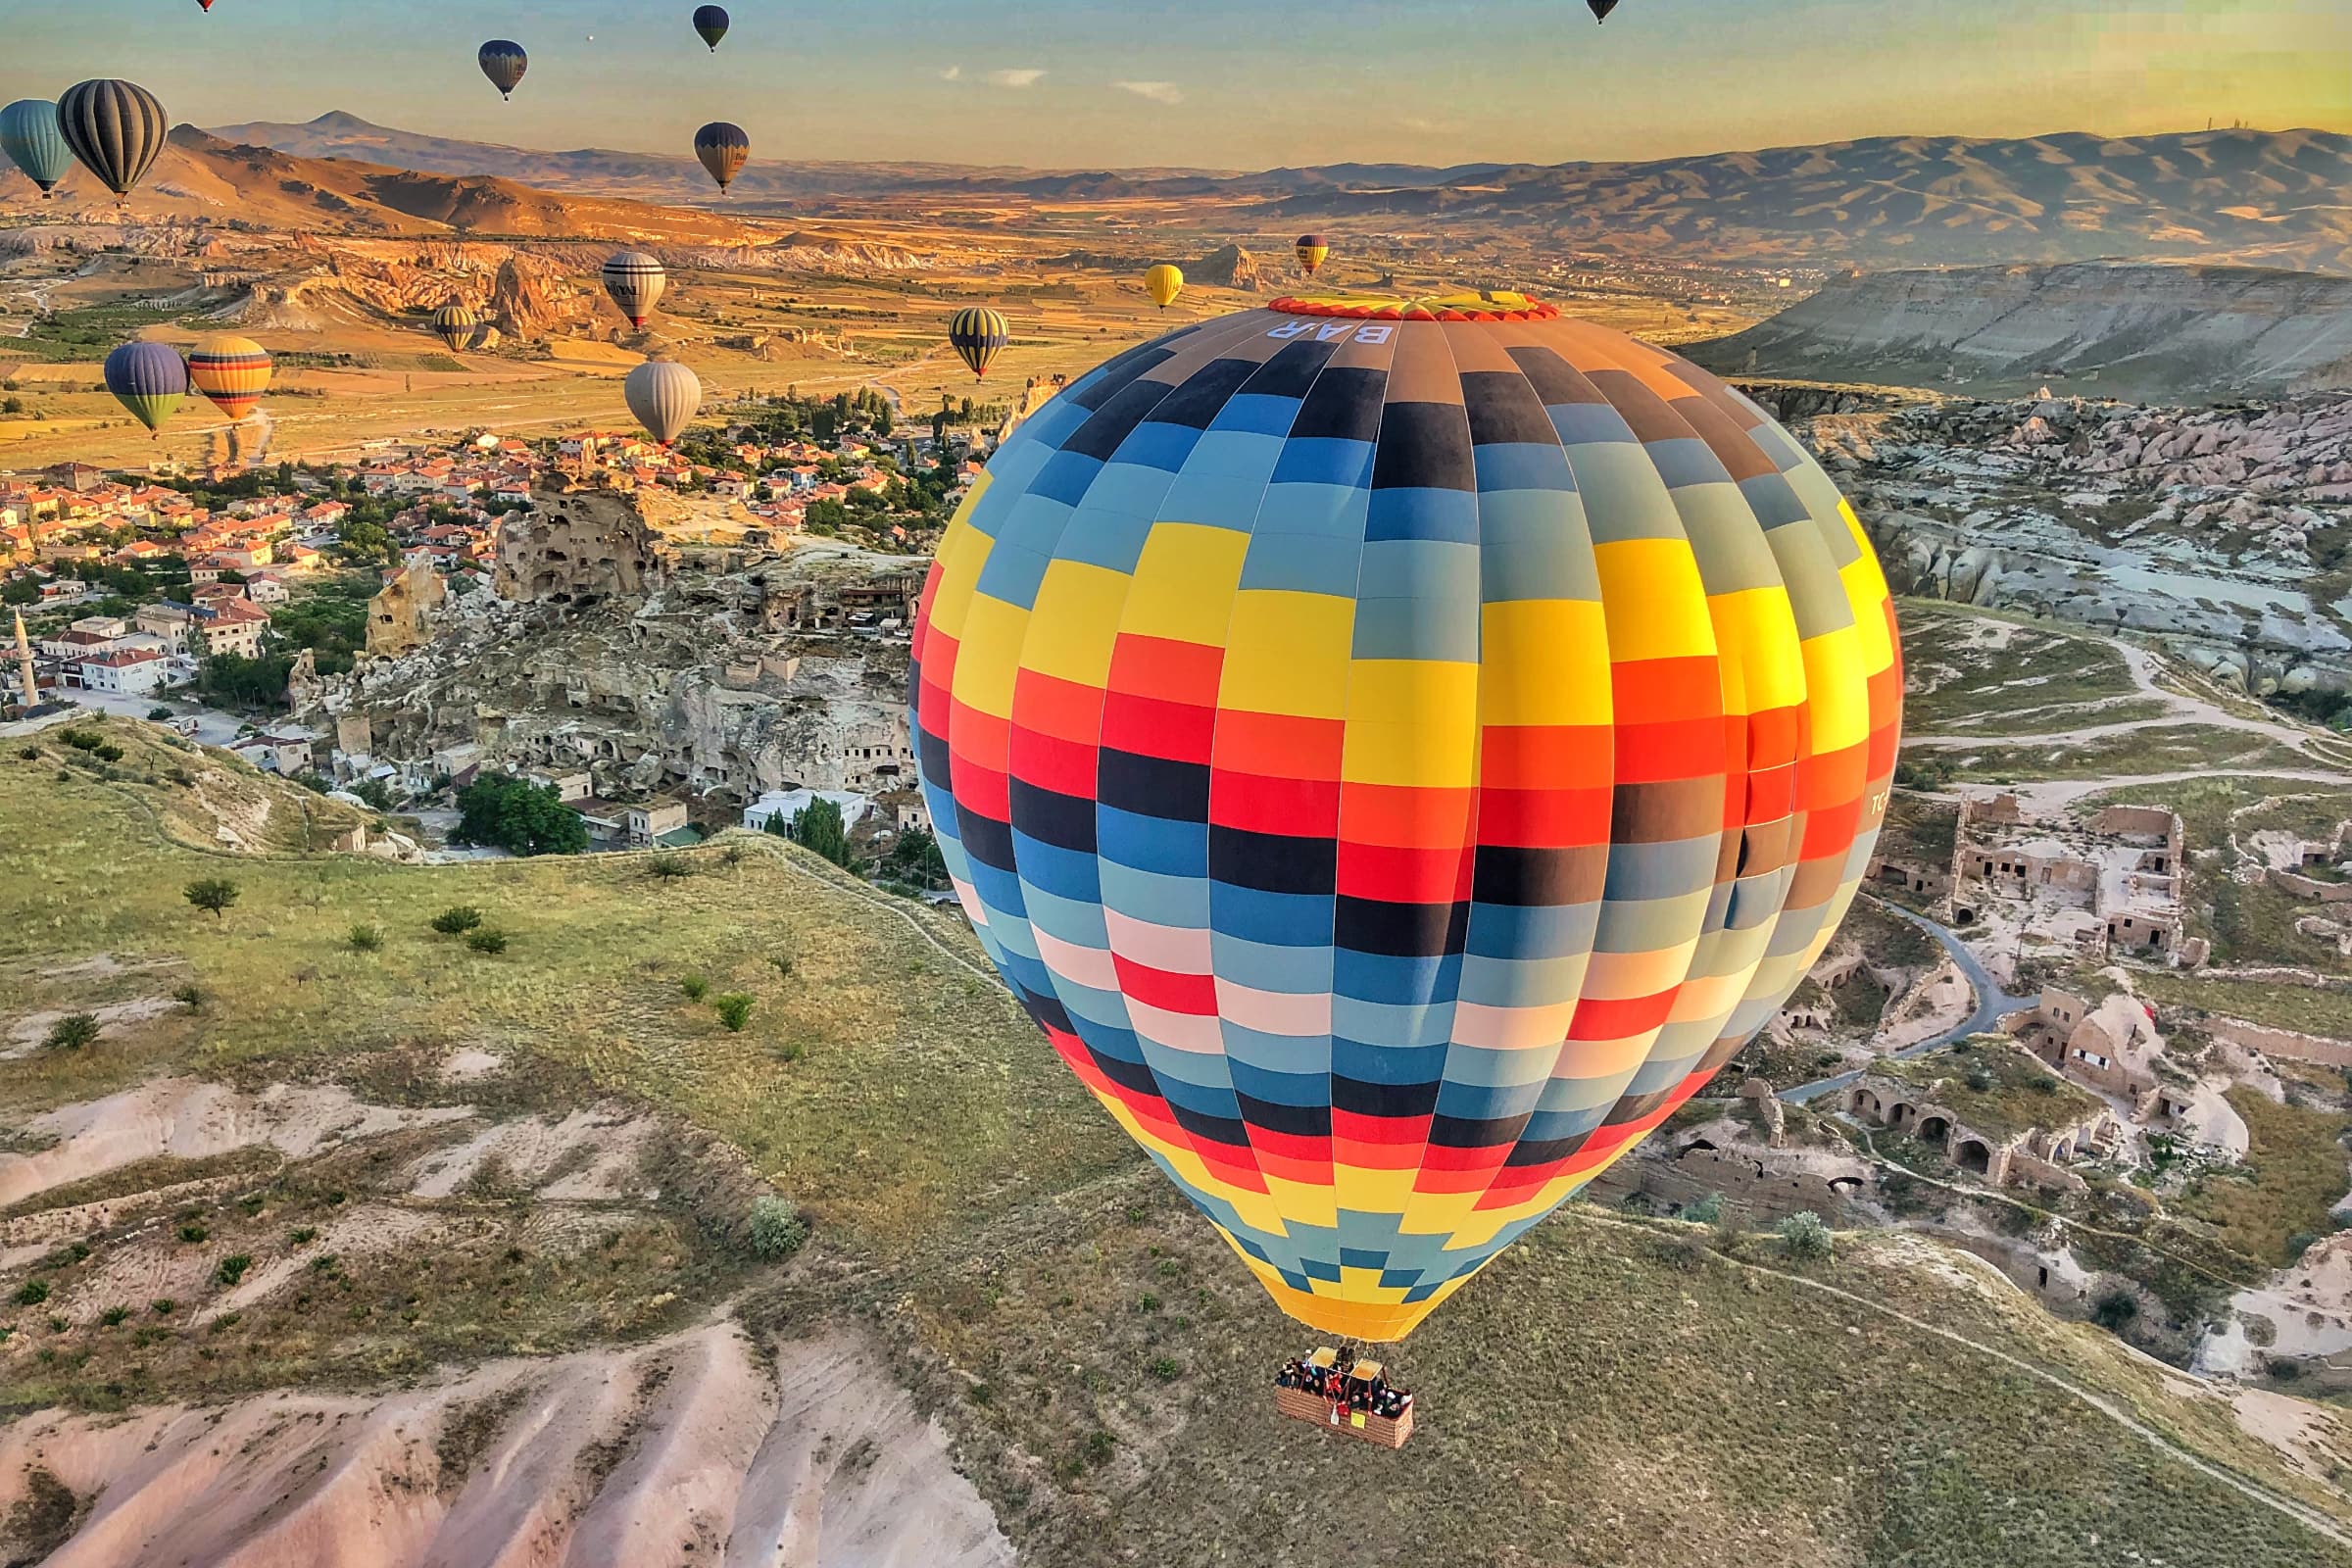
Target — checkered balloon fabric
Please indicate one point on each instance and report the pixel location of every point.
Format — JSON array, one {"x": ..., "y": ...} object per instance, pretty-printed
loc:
[{"x": 1397, "y": 751}]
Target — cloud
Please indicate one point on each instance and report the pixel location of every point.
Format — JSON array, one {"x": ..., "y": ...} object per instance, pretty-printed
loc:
[
  {"x": 1159, "y": 92},
  {"x": 952, "y": 74},
  {"x": 1019, "y": 76}
]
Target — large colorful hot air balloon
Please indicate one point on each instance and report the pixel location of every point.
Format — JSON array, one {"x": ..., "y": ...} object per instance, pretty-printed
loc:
[
  {"x": 976, "y": 333},
  {"x": 664, "y": 395},
  {"x": 455, "y": 325},
  {"x": 635, "y": 280},
  {"x": 1397, "y": 751},
  {"x": 28, "y": 134},
  {"x": 147, "y": 379},
  {"x": 723, "y": 149},
  {"x": 233, "y": 372},
  {"x": 503, "y": 61},
  {"x": 711, "y": 22},
  {"x": 114, "y": 129},
  {"x": 1164, "y": 283},
  {"x": 1313, "y": 251}
]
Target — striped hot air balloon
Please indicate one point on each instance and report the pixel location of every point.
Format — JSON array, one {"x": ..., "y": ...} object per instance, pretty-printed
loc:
[
  {"x": 504, "y": 62},
  {"x": 233, "y": 371},
  {"x": 115, "y": 128},
  {"x": 664, "y": 395},
  {"x": 455, "y": 325},
  {"x": 635, "y": 280},
  {"x": 28, "y": 134},
  {"x": 1164, "y": 283},
  {"x": 1397, "y": 752},
  {"x": 976, "y": 333},
  {"x": 149, "y": 379},
  {"x": 723, "y": 149},
  {"x": 1313, "y": 251}
]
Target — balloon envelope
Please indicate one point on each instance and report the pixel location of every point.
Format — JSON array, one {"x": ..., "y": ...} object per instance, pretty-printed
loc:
[
  {"x": 503, "y": 61},
  {"x": 456, "y": 325},
  {"x": 114, "y": 127},
  {"x": 1164, "y": 283},
  {"x": 711, "y": 22},
  {"x": 1313, "y": 251},
  {"x": 147, "y": 379},
  {"x": 1601, "y": 9},
  {"x": 635, "y": 280},
  {"x": 664, "y": 395},
  {"x": 1397, "y": 752},
  {"x": 29, "y": 135},
  {"x": 233, "y": 372},
  {"x": 976, "y": 333},
  {"x": 723, "y": 149}
]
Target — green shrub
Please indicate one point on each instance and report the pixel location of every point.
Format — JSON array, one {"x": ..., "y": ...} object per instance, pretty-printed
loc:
[
  {"x": 456, "y": 919},
  {"x": 187, "y": 994},
  {"x": 1098, "y": 1447},
  {"x": 159, "y": 713},
  {"x": 73, "y": 1032},
  {"x": 163, "y": 1306},
  {"x": 1166, "y": 1369},
  {"x": 2115, "y": 1310},
  {"x": 695, "y": 987},
  {"x": 193, "y": 1233},
  {"x": 1706, "y": 1212},
  {"x": 304, "y": 1235},
  {"x": 113, "y": 1316},
  {"x": 668, "y": 867},
  {"x": 734, "y": 1009},
  {"x": 232, "y": 1269},
  {"x": 32, "y": 1292},
  {"x": 366, "y": 937},
  {"x": 1803, "y": 1236},
  {"x": 778, "y": 1228},
  {"x": 211, "y": 894},
  {"x": 486, "y": 940}
]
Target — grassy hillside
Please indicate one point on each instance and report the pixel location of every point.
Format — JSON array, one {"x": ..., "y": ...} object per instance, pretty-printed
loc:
[{"x": 1607, "y": 1392}]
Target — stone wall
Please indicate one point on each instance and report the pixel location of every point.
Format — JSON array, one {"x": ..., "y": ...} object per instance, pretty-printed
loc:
[
  {"x": 2285, "y": 1043},
  {"x": 2308, "y": 887}
]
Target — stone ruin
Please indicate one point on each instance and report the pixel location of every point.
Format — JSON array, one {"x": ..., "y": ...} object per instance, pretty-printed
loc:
[
  {"x": 578, "y": 547},
  {"x": 401, "y": 615}
]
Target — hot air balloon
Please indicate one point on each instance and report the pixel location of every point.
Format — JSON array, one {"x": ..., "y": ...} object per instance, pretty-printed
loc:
[
  {"x": 711, "y": 22},
  {"x": 29, "y": 135},
  {"x": 664, "y": 395},
  {"x": 147, "y": 379},
  {"x": 976, "y": 334},
  {"x": 1164, "y": 283},
  {"x": 114, "y": 127},
  {"x": 1601, "y": 9},
  {"x": 204, "y": 5},
  {"x": 1313, "y": 251},
  {"x": 504, "y": 63},
  {"x": 233, "y": 371},
  {"x": 635, "y": 280},
  {"x": 723, "y": 149},
  {"x": 455, "y": 325},
  {"x": 1397, "y": 751}
]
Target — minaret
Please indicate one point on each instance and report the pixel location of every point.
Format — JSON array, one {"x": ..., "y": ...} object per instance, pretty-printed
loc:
[{"x": 33, "y": 698}]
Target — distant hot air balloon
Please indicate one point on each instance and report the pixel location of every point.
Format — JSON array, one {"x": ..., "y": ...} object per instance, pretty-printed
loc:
[
  {"x": 455, "y": 325},
  {"x": 976, "y": 334},
  {"x": 1601, "y": 9},
  {"x": 504, "y": 63},
  {"x": 29, "y": 135},
  {"x": 1313, "y": 251},
  {"x": 664, "y": 395},
  {"x": 147, "y": 379},
  {"x": 206, "y": 5},
  {"x": 1385, "y": 901},
  {"x": 635, "y": 280},
  {"x": 711, "y": 22},
  {"x": 233, "y": 372},
  {"x": 1164, "y": 283},
  {"x": 723, "y": 149},
  {"x": 114, "y": 127}
]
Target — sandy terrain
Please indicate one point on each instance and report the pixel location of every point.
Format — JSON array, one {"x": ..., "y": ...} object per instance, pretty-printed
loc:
[{"x": 694, "y": 1448}]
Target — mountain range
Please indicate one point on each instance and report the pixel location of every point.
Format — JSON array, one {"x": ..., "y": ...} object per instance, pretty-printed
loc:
[{"x": 2281, "y": 198}]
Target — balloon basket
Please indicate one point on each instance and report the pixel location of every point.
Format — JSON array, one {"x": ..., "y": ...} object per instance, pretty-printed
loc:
[{"x": 1338, "y": 1409}]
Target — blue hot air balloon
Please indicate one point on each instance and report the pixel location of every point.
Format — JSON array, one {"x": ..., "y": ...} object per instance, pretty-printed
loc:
[
  {"x": 147, "y": 379},
  {"x": 711, "y": 22},
  {"x": 28, "y": 134},
  {"x": 503, "y": 61}
]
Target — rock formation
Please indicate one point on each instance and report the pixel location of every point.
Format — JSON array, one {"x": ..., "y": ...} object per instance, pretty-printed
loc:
[
  {"x": 401, "y": 615},
  {"x": 577, "y": 547},
  {"x": 1227, "y": 267}
]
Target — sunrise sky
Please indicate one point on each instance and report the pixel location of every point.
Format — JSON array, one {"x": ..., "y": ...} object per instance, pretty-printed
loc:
[{"x": 1218, "y": 84}]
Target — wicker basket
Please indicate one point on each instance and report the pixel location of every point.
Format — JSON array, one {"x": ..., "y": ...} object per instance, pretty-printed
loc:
[{"x": 1299, "y": 1405}]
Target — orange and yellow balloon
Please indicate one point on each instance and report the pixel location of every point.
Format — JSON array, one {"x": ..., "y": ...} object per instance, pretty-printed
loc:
[{"x": 233, "y": 372}]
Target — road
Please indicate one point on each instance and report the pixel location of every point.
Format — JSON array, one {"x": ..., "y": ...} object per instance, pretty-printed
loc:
[{"x": 1991, "y": 1004}]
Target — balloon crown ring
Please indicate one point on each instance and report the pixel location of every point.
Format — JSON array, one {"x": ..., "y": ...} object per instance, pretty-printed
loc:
[{"x": 1496, "y": 305}]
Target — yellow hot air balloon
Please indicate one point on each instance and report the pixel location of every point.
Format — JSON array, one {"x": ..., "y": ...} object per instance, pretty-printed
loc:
[
  {"x": 233, "y": 372},
  {"x": 1164, "y": 283},
  {"x": 455, "y": 325}
]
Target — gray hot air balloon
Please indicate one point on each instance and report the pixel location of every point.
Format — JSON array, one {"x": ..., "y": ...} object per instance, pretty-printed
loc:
[
  {"x": 504, "y": 63},
  {"x": 664, "y": 395},
  {"x": 114, "y": 127},
  {"x": 29, "y": 136},
  {"x": 635, "y": 280},
  {"x": 723, "y": 149}
]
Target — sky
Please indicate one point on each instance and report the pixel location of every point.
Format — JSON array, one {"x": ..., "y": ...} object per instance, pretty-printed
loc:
[{"x": 1218, "y": 84}]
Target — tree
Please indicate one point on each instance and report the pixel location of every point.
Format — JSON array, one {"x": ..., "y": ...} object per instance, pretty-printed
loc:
[
  {"x": 73, "y": 1032},
  {"x": 456, "y": 919},
  {"x": 214, "y": 894},
  {"x": 914, "y": 858},
  {"x": 519, "y": 817},
  {"x": 487, "y": 941},
  {"x": 819, "y": 827},
  {"x": 1804, "y": 1236}
]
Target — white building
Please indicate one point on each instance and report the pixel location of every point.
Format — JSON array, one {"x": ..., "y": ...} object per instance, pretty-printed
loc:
[
  {"x": 790, "y": 803},
  {"x": 139, "y": 671}
]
